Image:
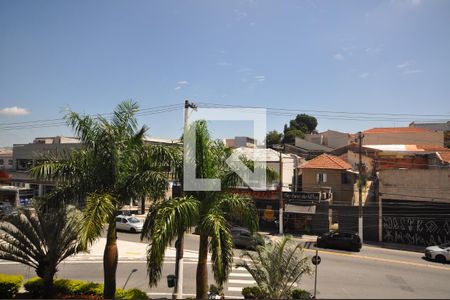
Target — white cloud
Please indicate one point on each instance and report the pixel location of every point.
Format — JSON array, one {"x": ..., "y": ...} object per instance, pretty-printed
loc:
[
  {"x": 183, "y": 82},
  {"x": 364, "y": 75},
  {"x": 14, "y": 111},
  {"x": 403, "y": 65},
  {"x": 177, "y": 88},
  {"x": 415, "y": 2},
  {"x": 260, "y": 78},
  {"x": 223, "y": 64},
  {"x": 338, "y": 56},
  {"x": 410, "y": 72}
]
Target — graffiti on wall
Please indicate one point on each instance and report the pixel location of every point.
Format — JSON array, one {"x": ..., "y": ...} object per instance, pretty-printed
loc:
[{"x": 416, "y": 230}]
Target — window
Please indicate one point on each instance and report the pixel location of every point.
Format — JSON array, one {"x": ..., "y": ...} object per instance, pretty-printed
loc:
[
  {"x": 345, "y": 178},
  {"x": 118, "y": 220},
  {"x": 10, "y": 162},
  {"x": 321, "y": 177},
  {"x": 2, "y": 162}
]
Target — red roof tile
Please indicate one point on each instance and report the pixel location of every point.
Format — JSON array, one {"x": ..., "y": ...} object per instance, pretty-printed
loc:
[
  {"x": 445, "y": 156},
  {"x": 326, "y": 161},
  {"x": 396, "y": 130}
]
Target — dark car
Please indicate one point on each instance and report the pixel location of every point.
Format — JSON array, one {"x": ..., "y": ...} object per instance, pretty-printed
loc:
[
  {"x": 340, "y": 240},
  {"x": 242, "y": 238}
]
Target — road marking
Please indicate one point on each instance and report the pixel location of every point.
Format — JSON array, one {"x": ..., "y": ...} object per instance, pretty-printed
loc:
[
  {"x": 235, "y": 289},
  {"x": 240, "y": 275},
  {"x": 241, "y": 281},
  {"x": 380, "y": 259}
]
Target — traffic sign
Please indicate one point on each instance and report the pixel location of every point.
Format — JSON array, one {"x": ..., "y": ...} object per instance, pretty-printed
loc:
[{"x": 316, "y": 260}]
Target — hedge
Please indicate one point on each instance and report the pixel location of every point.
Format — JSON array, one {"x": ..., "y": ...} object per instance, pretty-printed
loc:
[
  {"x": 252, "y": 292},
  {"x": 79, "y": 287},
  {"x": 9, "y": 285},
  {"x": 301, "y": 294}
]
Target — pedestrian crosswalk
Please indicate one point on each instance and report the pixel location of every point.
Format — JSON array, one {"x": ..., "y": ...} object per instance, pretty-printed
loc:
[{"x": 238, "y": 279}]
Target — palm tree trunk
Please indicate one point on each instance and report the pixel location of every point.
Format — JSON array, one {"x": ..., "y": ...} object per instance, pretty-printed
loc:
[
  {"x": 110, "y": 258},
  {"x": 49, "y": 289},
  {"x": 202, "y": 270}
]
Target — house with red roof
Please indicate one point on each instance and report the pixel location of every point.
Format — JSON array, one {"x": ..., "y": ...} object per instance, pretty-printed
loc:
[{"x": 328, "y": 171}]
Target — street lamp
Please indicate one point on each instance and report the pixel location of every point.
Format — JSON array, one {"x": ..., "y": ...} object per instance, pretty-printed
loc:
[{"x": 132, "y": 271}]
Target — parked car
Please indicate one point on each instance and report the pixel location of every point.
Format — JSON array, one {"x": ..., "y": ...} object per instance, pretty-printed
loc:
[
  {"x": 440, "y": 253},
  {"x": 242, "y": 238},
  {"x": 340, "y": 240},
  {"x": 129, "y": 223}
]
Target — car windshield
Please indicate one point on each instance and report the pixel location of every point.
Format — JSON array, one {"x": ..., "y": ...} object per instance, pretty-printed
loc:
[
  {"x": 133, "y": 220},
  {"x": 443, "y": 246}
]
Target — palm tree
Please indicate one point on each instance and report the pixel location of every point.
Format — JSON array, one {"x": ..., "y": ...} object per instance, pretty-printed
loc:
[
  {"x": 41, "y": 240},
  {"x": 211, "y": 211},
  {"x": 113, "y": 167},
  {"x": 277, "y": 267}
]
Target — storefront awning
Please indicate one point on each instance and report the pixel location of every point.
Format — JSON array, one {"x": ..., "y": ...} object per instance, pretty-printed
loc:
[{"x": 300, "y": 209}]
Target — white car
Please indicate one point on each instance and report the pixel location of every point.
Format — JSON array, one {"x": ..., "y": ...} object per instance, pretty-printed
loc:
[
  {"x": 129, "y": 223},
  {"x": 440, "y": 253}
]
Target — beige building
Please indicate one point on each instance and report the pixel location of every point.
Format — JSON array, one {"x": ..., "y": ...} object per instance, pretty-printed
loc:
[
  {"x": 6, "y": 159},
  {"x": 403, "y": 135},
  {"x": 330, "y": 138},
  {"x": 328, "y": 171}
]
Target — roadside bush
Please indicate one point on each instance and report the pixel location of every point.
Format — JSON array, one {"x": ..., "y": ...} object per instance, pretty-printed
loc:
[
  {"x": 68, "y": 287},
  {"x": 301, "y": 294},
  {"x": 253, "y": 292},
  {"x": 34, "y": 286},
  {"x": 9, "y": 285},
  {"x": 134, "y": 294}
]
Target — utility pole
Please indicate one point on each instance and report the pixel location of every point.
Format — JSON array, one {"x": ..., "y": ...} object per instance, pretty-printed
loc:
[
  {"x": 281, "y": 215},
  {"x": 180, "y": 239},
  {"x": 360, "y": 177}
]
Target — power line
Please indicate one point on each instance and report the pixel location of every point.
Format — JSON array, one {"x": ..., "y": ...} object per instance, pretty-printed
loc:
[
  {"x": 62, "y": 122},
  {"x": 335, "y": 114}
]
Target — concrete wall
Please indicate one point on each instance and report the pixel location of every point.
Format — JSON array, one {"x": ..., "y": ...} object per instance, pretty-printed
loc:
[
  {"x": 431, "y": 185},
  {"x": 342, "y": 193},
  {"x": 413, "y": 138}
]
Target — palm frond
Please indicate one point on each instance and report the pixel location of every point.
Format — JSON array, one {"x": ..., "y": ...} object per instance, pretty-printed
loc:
[
  {"x": 162, "y": 225},
  {"x": 238, "y": 208},
  {"x": 277, "y": 267},
  {"x": 221, "y": 245},
  {"x": 100, "y": 208}
]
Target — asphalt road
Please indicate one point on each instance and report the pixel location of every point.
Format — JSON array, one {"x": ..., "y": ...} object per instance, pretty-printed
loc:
[{"x": 372, "y": 273}]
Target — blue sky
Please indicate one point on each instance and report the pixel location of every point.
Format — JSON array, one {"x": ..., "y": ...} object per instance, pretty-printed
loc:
[{"x": 351, "y": 56}]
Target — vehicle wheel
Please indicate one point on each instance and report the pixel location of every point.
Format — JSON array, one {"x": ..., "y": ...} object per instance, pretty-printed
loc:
[
  {"x": 132, "y": 230},
  {"x": 440, "y": 258}
]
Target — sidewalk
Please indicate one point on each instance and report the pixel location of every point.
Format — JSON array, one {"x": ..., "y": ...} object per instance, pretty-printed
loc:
[{"x": 127, "y": 251}]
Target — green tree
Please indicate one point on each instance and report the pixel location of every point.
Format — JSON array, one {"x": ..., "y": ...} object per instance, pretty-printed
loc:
[
  {"x": 113, "y": 167},
  {"x": 298, "y": 127},
  {"x": 210, "y": 211},
  {"x": 277, "y": 267},
  {"x": 306, "y": 123},
  {"x": 273, "y": 137},
  {"x": 291, "y": 134},
  {"x": 41, "y": 240}
]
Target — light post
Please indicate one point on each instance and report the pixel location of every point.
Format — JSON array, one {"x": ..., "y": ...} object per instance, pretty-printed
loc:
[{"x": 132, "y": 271}]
